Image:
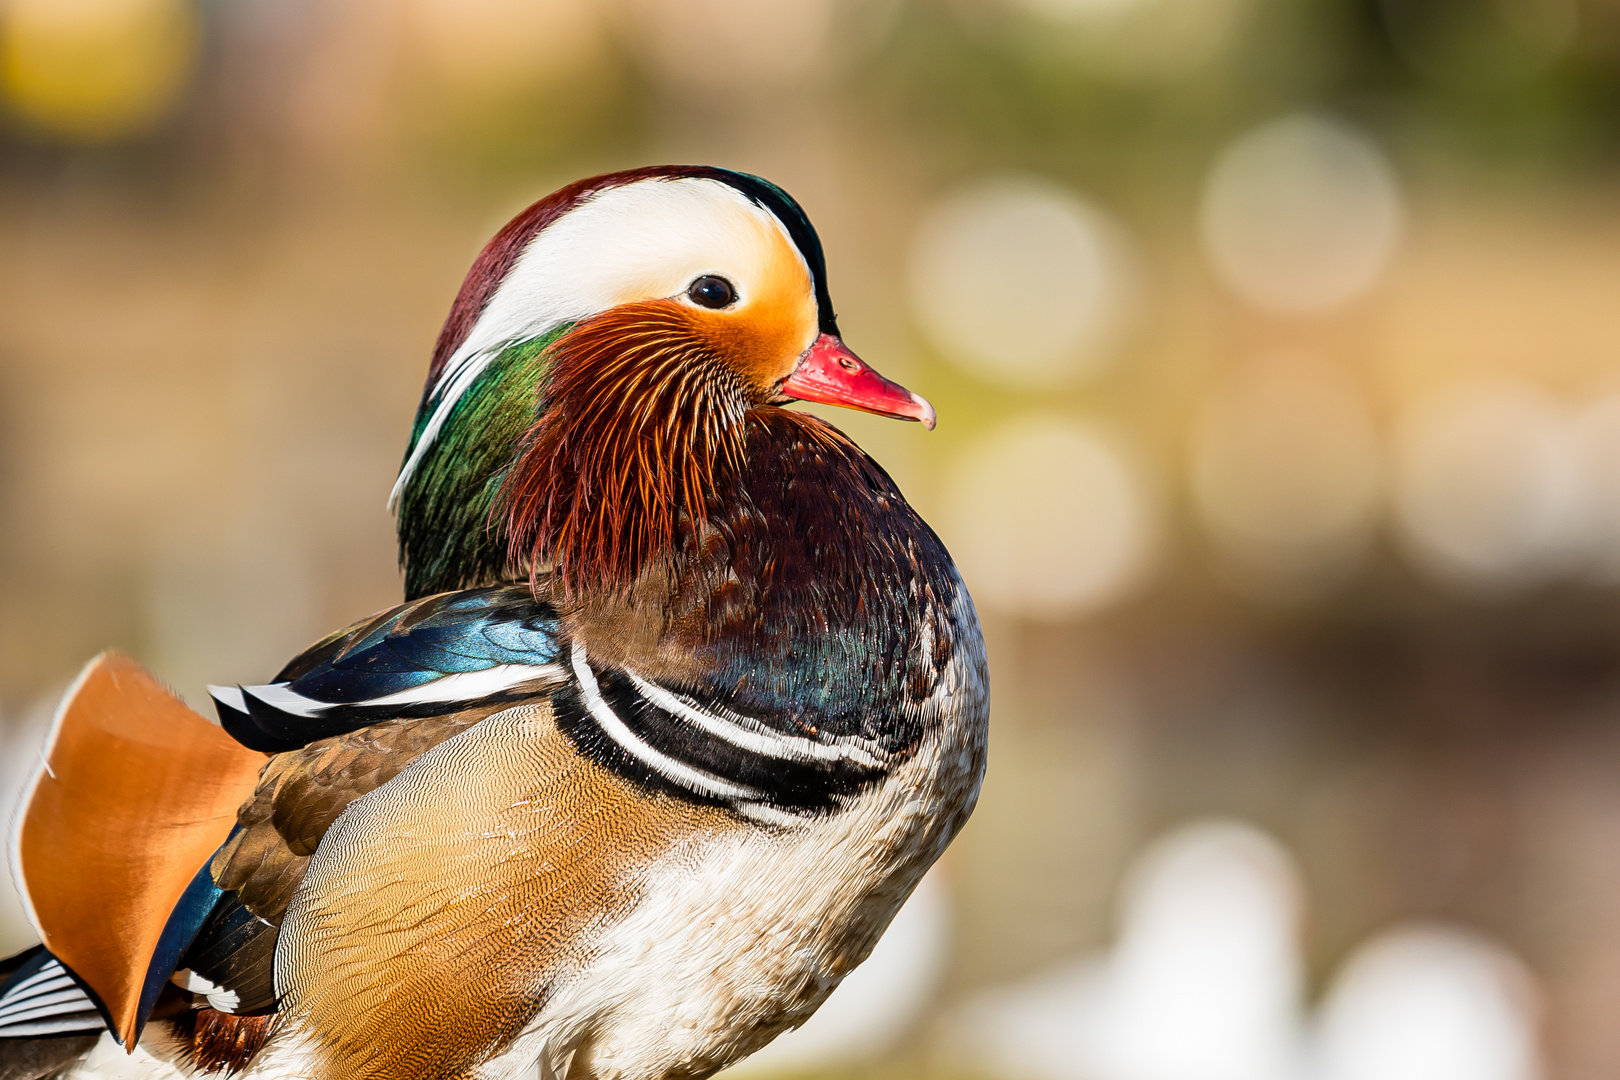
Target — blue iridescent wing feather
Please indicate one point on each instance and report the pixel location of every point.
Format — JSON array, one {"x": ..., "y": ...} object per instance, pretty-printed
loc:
[{"x": 495, "y": 639}]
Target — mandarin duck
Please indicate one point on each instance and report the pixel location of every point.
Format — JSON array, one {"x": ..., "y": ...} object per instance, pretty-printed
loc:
[{"x": 683, "y": 700}]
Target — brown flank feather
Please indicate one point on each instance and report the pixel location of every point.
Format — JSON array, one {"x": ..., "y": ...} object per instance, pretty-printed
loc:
[
  {"x": 217, "y": 1041},
  {"x": 645, "y": 418}
]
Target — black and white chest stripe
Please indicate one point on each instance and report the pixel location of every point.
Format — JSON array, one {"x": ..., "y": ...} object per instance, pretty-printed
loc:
[
  {"x": 705, "y": 751},
  {"x": 660, "y": 739}
]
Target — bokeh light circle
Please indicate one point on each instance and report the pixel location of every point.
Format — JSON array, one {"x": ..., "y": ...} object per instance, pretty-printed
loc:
[
  {"x": 1208, "y": 950},
  {"x": 1429, "y": 1003},
  {"x": 1133, "y": 41},
  {"x": 95, "y": 70},
  {"x": 1286, "y": 470},
  {"x": 1301, "y": 215},
  {"x": 1020, "y": 280},
  {"x": 1488, "y": 489},
  {"x": 1049, "y": 518}
]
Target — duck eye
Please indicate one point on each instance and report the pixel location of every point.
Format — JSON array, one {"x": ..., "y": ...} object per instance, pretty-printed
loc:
[{"x": 712, "y": 292}]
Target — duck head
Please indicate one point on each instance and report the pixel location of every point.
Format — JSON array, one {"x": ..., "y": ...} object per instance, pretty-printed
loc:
[{"x": 594, "y": 384}]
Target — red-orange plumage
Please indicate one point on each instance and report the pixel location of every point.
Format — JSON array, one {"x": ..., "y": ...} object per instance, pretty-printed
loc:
[{"x": 644, "y": 418}]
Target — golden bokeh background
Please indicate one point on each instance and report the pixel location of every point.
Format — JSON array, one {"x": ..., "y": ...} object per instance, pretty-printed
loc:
[{"x": 1276, "y": 348}]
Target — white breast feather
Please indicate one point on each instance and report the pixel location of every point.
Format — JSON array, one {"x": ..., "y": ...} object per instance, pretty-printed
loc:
[{"x": 740, "y": 938}]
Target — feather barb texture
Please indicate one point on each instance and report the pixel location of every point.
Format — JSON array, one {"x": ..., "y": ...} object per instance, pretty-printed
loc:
[
  {"x": 645, "y": 420},
  {"x": 135, "y": 793}
]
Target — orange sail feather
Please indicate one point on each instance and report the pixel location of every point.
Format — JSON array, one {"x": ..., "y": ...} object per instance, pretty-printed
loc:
[{"x": 135, "y": 793}]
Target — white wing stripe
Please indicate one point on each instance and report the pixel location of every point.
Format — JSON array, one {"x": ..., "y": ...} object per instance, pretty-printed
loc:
[
  {"x": 219, "y": 997},
  {"x": 34, "y": 996},
  {"x": 469, "y": 685},
  {"x": 229, "y": 696},
  {"x": 14, "y": 1006},
  {"x": 684, "y": 775},
  {"x": 51, "y": 971},
  {"x": 78, "y": 1004},
  {"x": 85, "y": 1022},
  {"x": 461, "y": 686},
  {"x": 279, "y": 697},
  {"x": 756, "y": 738}
]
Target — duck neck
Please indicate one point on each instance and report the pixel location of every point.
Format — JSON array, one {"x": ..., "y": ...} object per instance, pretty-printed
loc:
[
  {"x": 450, "y": 536},
  {"x": 811, "y": 595}
]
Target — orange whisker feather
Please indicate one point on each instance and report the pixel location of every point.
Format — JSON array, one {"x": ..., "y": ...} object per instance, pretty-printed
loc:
[{"x": 643, "y": 419}]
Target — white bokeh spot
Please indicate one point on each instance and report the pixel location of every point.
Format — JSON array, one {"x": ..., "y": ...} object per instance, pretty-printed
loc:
[
  {"x": 1429, "y": 1003},
  {"x": 1301, "y": 215},
  {"x": 1021, "y": 280},
  {"x": 1488, "y": 485}
]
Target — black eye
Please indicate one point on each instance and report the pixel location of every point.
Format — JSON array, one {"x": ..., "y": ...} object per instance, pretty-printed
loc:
[{"x": 712, "y": 292}]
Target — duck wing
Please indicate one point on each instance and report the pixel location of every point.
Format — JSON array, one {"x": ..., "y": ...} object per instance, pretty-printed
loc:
[{"x": 427, "y": 658}]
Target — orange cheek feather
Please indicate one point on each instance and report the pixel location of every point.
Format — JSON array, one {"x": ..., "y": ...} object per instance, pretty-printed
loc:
[{"x": 764, "y": 336}]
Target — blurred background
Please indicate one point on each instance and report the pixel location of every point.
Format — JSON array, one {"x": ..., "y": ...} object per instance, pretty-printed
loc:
[{"x": 1276, "y": 346}]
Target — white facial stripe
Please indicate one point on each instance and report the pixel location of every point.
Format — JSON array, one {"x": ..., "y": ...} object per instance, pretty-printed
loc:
[
  {"x": 459, "y": 375},
  {"x": 642, "y": 241},
  {"x": 747, "y": 734},
  {"x": 687, "y": 777}
]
